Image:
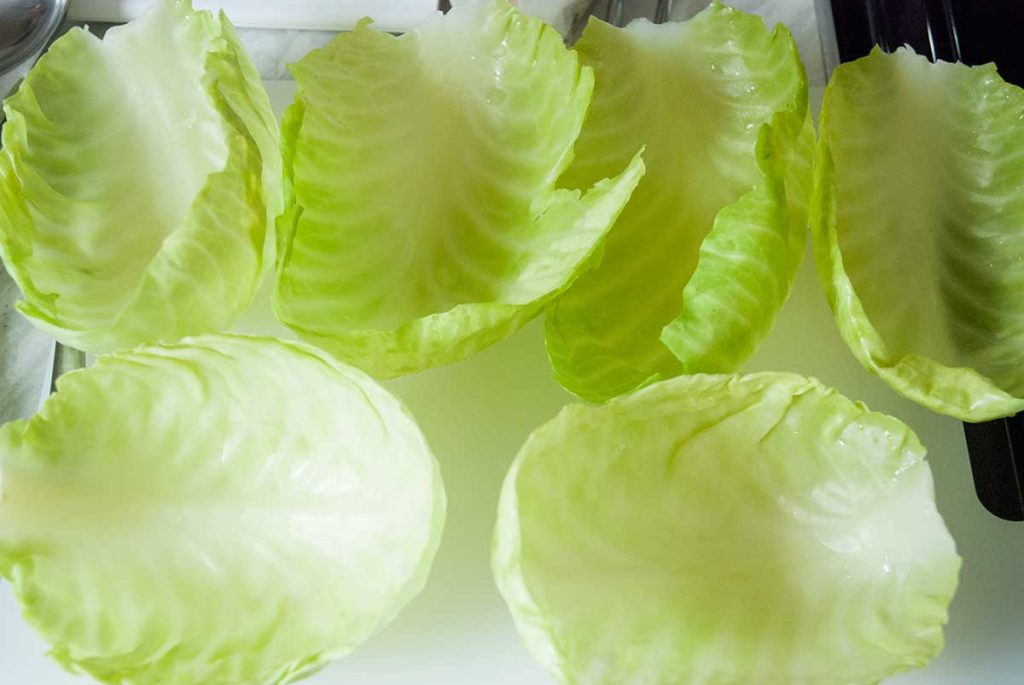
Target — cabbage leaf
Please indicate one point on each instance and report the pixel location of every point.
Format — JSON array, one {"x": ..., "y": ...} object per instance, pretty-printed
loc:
[
  {"x": 725, "y": 530},
  {"x": 422, "y": 221},
  {"x": 705, "y": 253},
  {"x": 136, "y": 179},
  {"x": 918, "y": 219},
  {"x": 226, "y": 510}
]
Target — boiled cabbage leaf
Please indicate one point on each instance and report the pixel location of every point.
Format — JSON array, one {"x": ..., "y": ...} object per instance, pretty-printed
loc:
[
  {"x": 225, "y": 510},
  {"x": 137, "y": 176},
  {"x": 918, "y": 222},
  {"x": 704, "y": 255},
  {"x": 725, "y": 530},
  {"x": 422, "y": 221}
]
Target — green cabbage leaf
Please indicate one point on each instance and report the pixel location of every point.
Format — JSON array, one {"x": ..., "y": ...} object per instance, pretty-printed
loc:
[
  {"x": 421, "y": 220},
  {"x": 704, "y": 255},
  {"x": 917, "y": 221},
  {"x": 725, "y": 530},
  {"x": 225, "y": 510},
  {"x": 136, "y": 179}
]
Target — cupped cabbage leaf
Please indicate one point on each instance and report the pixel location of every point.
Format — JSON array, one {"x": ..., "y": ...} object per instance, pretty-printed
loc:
[
  {"x": 705, "y": 253},
  {"x": 422, "y": 221},
  {"x": 136, "y": 178},
  {"x": 725, "y": 530},
  {"x": 919, "y": 228},
  {"x": 226, "y": 510}
]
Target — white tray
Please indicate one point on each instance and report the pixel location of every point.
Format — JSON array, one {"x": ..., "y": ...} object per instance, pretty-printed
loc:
[{"x": 389, "y": 15}]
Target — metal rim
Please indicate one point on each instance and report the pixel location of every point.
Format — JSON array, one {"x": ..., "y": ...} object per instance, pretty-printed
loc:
[{"x": 53, "y": 12}]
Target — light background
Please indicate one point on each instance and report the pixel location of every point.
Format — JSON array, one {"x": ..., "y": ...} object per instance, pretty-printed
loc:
[{"x": 476, "y": 414}]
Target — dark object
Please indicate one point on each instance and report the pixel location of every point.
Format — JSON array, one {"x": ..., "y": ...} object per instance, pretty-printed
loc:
[
  {"x": 997, "y": 463},
  {"x": 25, "y": 28},
  {"x": 65, "y": 360},
  {"x": 969, "y": 31},
  {"x": 974, "y": 33},
  {"x": 925, "y": 25}
]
